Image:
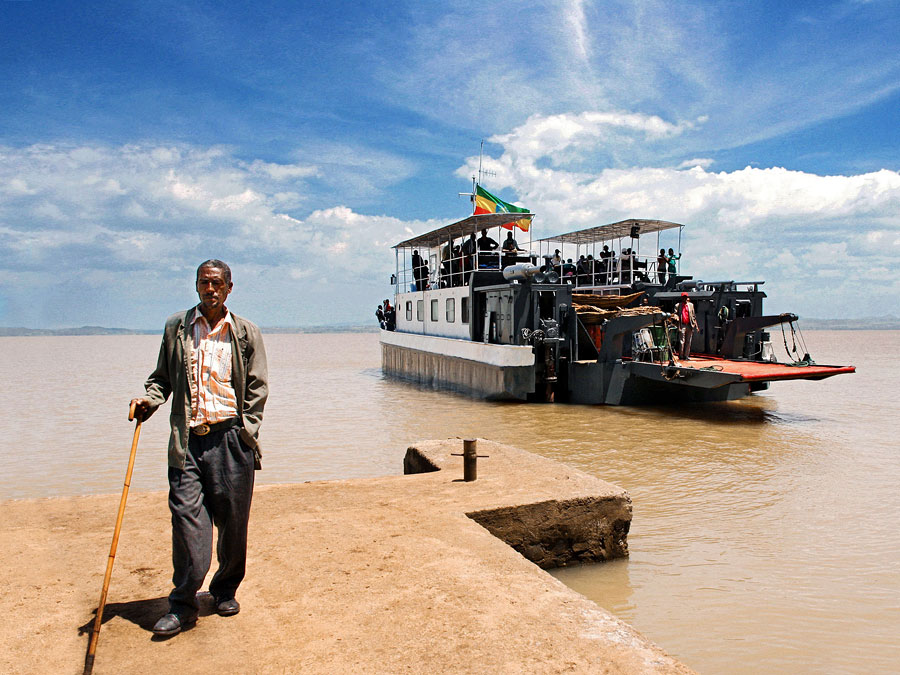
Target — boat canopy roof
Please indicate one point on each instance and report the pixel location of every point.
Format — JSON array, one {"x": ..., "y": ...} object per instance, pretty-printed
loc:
[
  {"x": 618, "y": 230},
  {"x": 461, "y": 228}
]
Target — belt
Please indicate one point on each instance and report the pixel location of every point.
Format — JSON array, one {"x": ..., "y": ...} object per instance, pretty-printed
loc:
[{"x": 204, "y": 429}]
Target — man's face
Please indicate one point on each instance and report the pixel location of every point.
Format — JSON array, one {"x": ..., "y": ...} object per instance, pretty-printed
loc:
[{"x": 212, "y": 289}]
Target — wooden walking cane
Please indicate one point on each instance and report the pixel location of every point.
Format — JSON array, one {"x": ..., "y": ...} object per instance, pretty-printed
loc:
[{"x": 98, "y": 622}]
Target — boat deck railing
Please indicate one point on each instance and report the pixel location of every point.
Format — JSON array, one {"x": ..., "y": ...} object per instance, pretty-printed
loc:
[
  {"x": 606, "y": 275},
  {"x": 453, "y": 271}
]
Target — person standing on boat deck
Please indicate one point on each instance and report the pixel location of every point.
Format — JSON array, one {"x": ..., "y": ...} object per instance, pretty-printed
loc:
[
  {"x": 589, "y": 268},
  {"x": 213, "y": 364},
  {"x": 485, "y": 246},
  {"x": 672, "y": 259},
  {"x": 379, "y": 314},
  {"x": 445, "y": 265},
  {"x": 597, "y": 264},
  {"x": 661, "y": 263},
  {"x": 606, "y": 265},
  {"x": 456, "y": 263},
  {"x": 390, "y": 316},
  {"x": 510, "y": 249},
  {"x": 556, "y": 263},
  {"x": 581, "y": 271},
  {"x": 687, "y": 324},
  {"x": 468, "y": 250},
  {"x": 625, "y": 266},
  {"x": 419, "y": 271}
]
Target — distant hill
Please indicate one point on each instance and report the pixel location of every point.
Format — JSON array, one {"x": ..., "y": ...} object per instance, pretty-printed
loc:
[
  {"x": 365, "y": 328},
  {"x": 889, "y": 322},
  {"x": 84, "y": 330}
]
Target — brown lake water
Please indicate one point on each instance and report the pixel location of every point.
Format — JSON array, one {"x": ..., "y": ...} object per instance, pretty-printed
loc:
[{"x": 766, "y": 532}]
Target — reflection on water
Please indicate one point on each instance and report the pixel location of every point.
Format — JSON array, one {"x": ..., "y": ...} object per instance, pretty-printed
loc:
[{"x": 764, "y": 536}]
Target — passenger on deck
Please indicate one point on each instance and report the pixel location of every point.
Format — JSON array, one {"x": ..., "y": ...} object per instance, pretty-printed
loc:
[
  {"x": 590, "y": 267},
  {"x": 379, "y": 314},
  {"x": 568, "y": 272},
  {"x": 390, "y": 316},
  {"x": 556, "y": 262},
  {"x": 687, "y": 324},
  {"x": 606, "y": 265},
  {"x": 625, "y": 266},
  {"x": 598, "y": 270},
  {"x": 672, "y": 258},
  {"x": 420, "y": 271},
  {"x": 581, "y": 271},
  {"x": 456, "y": 263},
  {"x": 485, "y": 257},
  {"x": 661, "y": 262},
  {"x": 468, "y": 250},
  {"x": 510, "y": 249},
  {"x": 445, "y": 265}
]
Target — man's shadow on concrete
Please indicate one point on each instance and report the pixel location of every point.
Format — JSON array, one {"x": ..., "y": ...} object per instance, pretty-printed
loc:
[{"x": 144, "y": 613}]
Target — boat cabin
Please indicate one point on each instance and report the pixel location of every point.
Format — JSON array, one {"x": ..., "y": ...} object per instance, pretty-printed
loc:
[{"x": 437, "y": 273}]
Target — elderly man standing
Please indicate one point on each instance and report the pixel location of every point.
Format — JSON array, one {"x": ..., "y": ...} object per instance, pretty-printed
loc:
[{"x": 213, "y": 364}]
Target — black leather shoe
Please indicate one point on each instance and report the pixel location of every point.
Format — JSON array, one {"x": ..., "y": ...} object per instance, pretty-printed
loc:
[
  {"x": 227, "y": 606},
  {"x": 171, "y": 624}
]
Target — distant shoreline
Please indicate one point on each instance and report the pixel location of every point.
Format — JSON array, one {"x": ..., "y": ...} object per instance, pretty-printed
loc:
[
  {"x": 884, "y": 323},
  {"x": 99, "y": 330}
]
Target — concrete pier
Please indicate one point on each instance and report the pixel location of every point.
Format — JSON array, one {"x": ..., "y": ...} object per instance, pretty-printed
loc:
[{"x": 383, "y": 575}]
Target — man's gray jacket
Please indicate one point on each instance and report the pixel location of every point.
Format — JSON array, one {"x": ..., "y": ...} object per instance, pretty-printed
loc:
[{"x": 249, "y": 377}]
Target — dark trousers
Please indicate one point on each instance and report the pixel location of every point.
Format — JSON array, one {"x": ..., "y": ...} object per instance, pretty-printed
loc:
[{"x": 215, "y": 488}]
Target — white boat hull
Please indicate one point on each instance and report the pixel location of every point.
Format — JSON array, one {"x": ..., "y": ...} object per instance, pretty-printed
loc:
[{"x": 491, "y": 371}]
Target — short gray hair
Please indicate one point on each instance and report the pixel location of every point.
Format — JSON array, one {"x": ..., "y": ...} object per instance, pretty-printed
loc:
[{"x": 218, "y": 265}]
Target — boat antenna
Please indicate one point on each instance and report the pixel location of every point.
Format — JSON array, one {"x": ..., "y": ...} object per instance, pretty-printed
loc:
[{"x": 482, "y": 172}]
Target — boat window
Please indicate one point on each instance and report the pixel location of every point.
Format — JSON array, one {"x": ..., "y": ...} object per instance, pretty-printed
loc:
[
  {"x": 434, "y": 310},
  {"x": 420, "y": 310},
  {"x": 464, "y": 310},
  {"x": 451, "y": 310},
  {"x": 409, "y": 310}
]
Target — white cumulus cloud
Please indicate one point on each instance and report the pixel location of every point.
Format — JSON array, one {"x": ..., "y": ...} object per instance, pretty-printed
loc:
[
  {"x": 818, "y": 239},
  {"x": 94, "y": 212}
]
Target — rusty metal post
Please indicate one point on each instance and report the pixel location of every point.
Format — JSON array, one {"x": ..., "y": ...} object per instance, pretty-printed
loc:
[{"x": 470, "y": 460}]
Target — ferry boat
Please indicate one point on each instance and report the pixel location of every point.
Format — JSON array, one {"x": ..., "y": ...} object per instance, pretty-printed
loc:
[{"x": 581, "y": 317}]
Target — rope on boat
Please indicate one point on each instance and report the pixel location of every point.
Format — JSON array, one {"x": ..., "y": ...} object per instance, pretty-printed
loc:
[
  {"x": 664, "y": 369},
  {"x": 796, "y": 335}
]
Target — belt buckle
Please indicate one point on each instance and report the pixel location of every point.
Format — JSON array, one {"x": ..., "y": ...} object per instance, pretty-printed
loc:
[{"x": 201, "y": 429}]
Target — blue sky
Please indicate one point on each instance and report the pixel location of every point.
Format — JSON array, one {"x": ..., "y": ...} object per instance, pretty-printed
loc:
[{"x": 299, "y": 140}]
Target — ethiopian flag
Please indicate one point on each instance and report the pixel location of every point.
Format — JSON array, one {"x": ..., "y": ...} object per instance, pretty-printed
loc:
[{"x": 485, "y": 202}]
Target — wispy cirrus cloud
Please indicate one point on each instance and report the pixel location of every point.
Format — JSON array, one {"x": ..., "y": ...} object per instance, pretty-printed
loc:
[{"x": 681, "y": 62}]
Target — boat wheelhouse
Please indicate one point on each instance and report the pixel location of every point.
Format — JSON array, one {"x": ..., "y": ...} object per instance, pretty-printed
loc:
[{"x": 582, "y": 317}]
